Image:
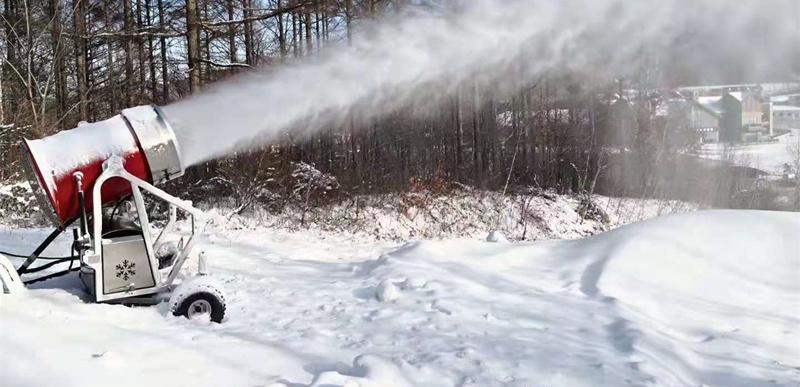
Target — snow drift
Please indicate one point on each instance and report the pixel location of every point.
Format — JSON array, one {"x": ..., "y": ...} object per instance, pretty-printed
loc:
[{"x": 708, "y": 298}]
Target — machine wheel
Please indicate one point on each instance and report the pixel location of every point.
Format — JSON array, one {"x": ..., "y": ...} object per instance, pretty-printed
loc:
[
  {"x": 199, "y": 305},
  {"x": 198, "y": 297}
]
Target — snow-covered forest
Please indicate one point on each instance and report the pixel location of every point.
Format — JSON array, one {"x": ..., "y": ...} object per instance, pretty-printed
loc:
[
  {"x": 492, "y": 125},
  {"x": 398, "y": 193}
]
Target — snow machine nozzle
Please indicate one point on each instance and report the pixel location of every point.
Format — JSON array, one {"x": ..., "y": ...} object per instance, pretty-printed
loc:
[{"x": 141, "y": 136}]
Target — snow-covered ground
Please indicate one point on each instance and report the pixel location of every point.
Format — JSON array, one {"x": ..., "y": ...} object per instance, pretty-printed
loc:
[
  {"x": 459, "y": 214},
  {"x": 769, "y": 157},
  {"x": 465, "y": 213},
  {"x": 707, "y": 298}
]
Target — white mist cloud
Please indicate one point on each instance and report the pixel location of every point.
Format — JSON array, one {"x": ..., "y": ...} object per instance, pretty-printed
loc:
[{"x": 430, "y": 53}]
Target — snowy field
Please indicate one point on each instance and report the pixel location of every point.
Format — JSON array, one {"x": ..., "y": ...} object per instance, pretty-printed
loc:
[
  {"x": 769, "y": 157},
  {"x": 708, "y": 298}
]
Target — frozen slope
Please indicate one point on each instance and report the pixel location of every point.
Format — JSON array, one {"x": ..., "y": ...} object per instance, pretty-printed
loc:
[{"x": 709, "y": 298}]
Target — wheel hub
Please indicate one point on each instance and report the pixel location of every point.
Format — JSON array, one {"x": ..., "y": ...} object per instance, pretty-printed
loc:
[{"x": 199, "y": 308}]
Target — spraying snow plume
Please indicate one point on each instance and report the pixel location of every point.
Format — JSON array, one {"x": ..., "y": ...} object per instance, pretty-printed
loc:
[{"x": 431, "y": 52}]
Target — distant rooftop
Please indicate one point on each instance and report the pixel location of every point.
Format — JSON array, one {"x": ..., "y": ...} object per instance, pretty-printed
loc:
[
  {"x": 784, "y": 108},
  {"x": 711, "y": 104},
  {"x": 784, "y": 97},
  {"x": 773, "y": 86},
  {"x": 719, "y": 87},
  {"x": 737, "y": 95}
]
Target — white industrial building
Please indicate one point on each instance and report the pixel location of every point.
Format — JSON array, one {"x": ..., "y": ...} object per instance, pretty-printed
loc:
[{"x": 785, "y": 117}]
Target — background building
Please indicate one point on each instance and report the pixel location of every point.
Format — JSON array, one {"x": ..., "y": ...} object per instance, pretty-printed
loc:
[{"x": 785, "y": 117}]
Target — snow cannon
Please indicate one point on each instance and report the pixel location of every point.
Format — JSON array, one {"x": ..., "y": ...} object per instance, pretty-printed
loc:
[
  {"x": 129, "y": 246},
  {"x": 141, "y": 136}
]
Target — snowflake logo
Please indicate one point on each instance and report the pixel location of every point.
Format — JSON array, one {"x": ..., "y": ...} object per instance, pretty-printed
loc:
[{"x": 126, "y": 270}]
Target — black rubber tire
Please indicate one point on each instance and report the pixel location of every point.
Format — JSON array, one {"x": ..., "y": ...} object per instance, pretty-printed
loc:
[{"x": 217, "y": 306}]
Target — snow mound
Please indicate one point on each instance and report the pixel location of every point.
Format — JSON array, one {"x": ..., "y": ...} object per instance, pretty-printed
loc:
[
  {"x": 387, "y": 291},
  {"x": 710, "y": 298},
  {"x": 368, "y": 371},
  {"x": 496, "y": 237}
]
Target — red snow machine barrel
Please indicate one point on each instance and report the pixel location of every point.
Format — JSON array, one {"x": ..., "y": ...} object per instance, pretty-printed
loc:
[{"x": 140, "y": 135}]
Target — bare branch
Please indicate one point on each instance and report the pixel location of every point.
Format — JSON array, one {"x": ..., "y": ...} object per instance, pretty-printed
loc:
[
  {"x": 267, "y": 15},
  {"x": 219, "y": 64}
]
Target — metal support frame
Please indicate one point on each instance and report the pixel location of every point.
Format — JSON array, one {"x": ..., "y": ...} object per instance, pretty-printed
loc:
[
  {"x": 92, "y": 258},
  {"x": 9, "y": 279},
  {"x": 91, "y": 250}
]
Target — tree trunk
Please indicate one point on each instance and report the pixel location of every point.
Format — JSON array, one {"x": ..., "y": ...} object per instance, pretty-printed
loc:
[
  {"x": 126, "y": 44},
  {"x": 528, "y": 139},
  {"x": 490, "y": 159},
  {"x": 205, "y": 72},
  {"x": 9, "y": 81},
  {"x": 142, "y": 54},
  {"x": 477, "y": 158},
  {"x": 459, "y": 128},
  {"x": 317, "y": 24},
  {"x": 309, "y": 44},
  {"x": 193, "y": 44},
  {"x": 113, "y": 102},
  {"x": 281, "y": 32},
  {"x": 348, "y": 18},
  {"x": 325, "y": 25},
  {"x": 58, "y": 59},
  {"x": 294, "y": 34},
  {"x": 248, "y": 33},
  {"x": 232, "y": 32},
  {"x": 151, "y": 53},
  {"x": 81, "y": 59},
  {"x": 163, "y": 47}
]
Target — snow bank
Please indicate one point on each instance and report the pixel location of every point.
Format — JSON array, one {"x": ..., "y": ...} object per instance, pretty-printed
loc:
[
  {"x": 369, "y": 370},
  {"x": 719, "y": 293},
  {"x": 708, "y": 298},
  {"x": 459, "y": 214},
  {"x": 399, "y": 217},
  {"x": 496, "y": 237}
]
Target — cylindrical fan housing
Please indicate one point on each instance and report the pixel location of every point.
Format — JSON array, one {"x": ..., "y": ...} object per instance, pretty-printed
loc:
[{"x": 140, "y": 135}]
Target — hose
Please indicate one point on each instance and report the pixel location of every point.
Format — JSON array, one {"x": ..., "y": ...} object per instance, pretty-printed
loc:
[
  {"x": 55, "y": 261},
  {"x": 49, "y": 276},
  {"x": 26, "y": 256}
]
